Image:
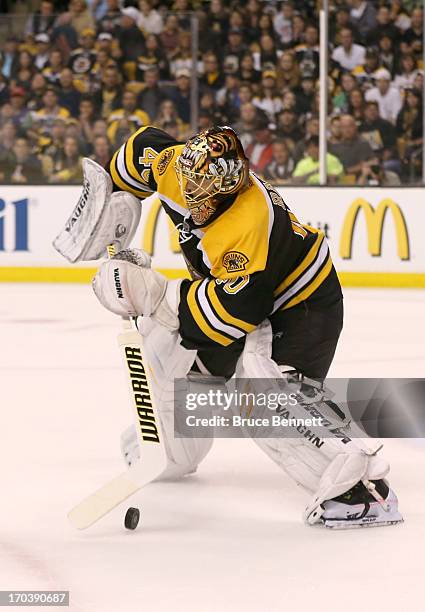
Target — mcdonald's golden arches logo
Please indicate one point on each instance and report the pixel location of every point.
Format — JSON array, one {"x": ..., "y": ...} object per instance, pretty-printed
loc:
[
  {"x": 148, "y": 238},
  {"x": 375, "y": 221}
]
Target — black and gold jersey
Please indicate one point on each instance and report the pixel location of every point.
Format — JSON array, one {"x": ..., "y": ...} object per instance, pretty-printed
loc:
[
  {"x": 82, "y": 61},
  {"x": 250, "y": 261},
  {"x": 131, "y": 166}
]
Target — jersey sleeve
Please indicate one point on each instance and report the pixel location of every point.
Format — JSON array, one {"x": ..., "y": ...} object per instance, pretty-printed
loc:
[
  {"x": 216, "y": 312},
  {"x": 131, "y": 165}
]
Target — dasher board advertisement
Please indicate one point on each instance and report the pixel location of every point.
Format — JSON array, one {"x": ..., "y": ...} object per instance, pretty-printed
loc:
[{"x": 375, "y": 234}]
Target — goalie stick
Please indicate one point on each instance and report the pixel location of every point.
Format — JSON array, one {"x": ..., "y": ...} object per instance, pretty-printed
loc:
[{"x": 153, "y": 458}]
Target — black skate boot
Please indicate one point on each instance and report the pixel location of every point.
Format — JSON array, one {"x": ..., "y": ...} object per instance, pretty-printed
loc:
[{"x": 370, "y": 504}]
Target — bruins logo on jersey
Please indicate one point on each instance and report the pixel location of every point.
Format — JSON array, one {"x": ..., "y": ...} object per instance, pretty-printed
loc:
[
  {"x": 165, "y": 160},
  {"x": 234, "y": 261}
]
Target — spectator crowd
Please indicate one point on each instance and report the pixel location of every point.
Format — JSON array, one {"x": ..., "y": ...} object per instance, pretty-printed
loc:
[{"x": 83, "y": 75}]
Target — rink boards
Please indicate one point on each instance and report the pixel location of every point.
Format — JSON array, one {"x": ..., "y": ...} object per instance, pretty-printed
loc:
[{"x": 375, "y": 234}]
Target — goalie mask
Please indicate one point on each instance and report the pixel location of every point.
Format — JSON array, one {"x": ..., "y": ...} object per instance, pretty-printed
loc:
[{"x": 211, "y": 167}]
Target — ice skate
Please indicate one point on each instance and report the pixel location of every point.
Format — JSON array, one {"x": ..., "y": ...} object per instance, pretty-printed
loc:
[{"x": 361, "y": 506}]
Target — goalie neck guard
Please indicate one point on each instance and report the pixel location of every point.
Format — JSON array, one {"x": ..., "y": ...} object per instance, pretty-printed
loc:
[{"x": 211, "y": 167}]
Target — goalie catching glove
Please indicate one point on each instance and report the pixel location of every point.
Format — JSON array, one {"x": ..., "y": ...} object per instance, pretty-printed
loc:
[{"x": 127, "y": 286}]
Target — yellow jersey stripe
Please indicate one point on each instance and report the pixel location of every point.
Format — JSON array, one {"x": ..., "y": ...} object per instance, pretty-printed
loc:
[
  {"x": 222, "y": 312},
  {"x": 129, "y": 152},
  {"x": 301, "y": 268},
  {"x": 200, "y": 320},
  {"x": 120, "y": 183},
  {"x": 318, "y": 280}
]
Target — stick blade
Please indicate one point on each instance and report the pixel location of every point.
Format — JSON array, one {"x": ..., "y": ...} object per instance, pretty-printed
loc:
[{"x": 102, "y": 501}]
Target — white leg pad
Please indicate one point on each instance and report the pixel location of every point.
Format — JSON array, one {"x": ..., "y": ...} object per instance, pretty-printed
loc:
[
  {"x": 324, "y": 472},
  {"x": 167, "y": 360}
]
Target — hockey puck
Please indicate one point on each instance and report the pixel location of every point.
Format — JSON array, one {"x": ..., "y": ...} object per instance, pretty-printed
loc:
[{"x": 132, "y": 517}]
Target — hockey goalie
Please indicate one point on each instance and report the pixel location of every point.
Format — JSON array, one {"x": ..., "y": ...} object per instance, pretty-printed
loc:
[{"x": 263, "y": 300}]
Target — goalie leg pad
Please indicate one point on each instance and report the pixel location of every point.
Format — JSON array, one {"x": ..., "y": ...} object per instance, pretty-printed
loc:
[
  {"x": 184, "y": 455},
  {"x": 325, "y": 470},
  {"x": 167, "y": 360}
]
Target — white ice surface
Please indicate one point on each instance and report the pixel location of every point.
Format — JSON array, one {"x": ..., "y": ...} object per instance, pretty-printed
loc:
[{"x": 228, "y": 539}]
